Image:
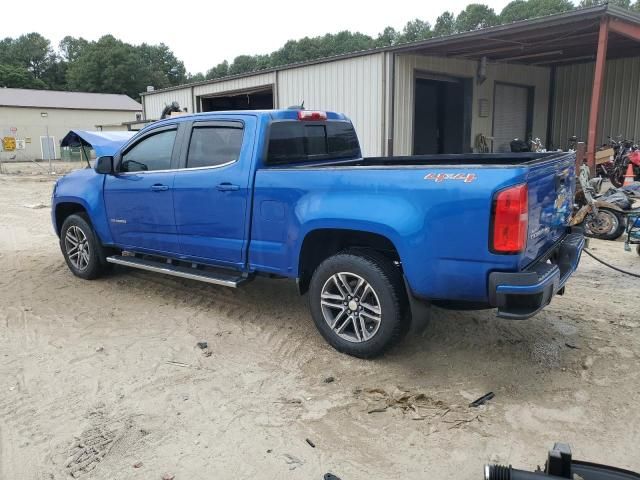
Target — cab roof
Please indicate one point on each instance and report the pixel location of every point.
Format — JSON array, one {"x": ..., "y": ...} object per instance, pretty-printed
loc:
[{"x": 278, "y": 114}]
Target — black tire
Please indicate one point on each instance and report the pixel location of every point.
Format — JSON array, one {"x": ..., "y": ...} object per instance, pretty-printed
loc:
[
  {"x": 385, "y": 280},
  {"x": 618, "y": 173},
  {"x": 95, "y": 264},
  {"x": 607, "y": 225}
]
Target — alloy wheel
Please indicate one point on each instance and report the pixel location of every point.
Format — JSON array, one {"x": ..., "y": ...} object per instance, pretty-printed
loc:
[
  {"x": 77, "y": 247},
  {"x": 351, "y": 307}
]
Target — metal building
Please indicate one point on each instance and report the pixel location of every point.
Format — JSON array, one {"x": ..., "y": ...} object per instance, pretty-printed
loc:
[
  {"x": 32, "y": 122},
  {"x": 471, "y": 91}
]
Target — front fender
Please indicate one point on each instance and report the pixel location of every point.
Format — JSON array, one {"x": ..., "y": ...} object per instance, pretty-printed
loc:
[{"x": 84, "y": 188}]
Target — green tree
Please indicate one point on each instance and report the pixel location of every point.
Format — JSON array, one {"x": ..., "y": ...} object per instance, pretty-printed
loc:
[
  {"x": 70, "y": 47},
  {"x": 195, "y": 77},
  {"x": 636, "y": 6},
  {"x": 31, "y": 51},
  {"x": 445, "y": 25},
  {"x": 220, "y": 70},
  {"x": 617, "y": 3},
  {"x": 112, "y": 66},
  {"x": 162, "y": 67},
  {"x": 12, "y": 76},
  {"x": 243, "y": 64},
  {"x": 475, "y": 17},
  {"x": 55, "y": 75},
  {"x": 306, "y": 48},
  {"x": 108, "y": 65},
  {"x": 525, "y": 9},
  {"x": 389, "y": 36},
  {"x": 416, "y": 30}
]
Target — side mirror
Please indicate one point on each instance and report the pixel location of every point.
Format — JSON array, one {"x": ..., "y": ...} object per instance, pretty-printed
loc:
[{"x": 104, "y": 165}]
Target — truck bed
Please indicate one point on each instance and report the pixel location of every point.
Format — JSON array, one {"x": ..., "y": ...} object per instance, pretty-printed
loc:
[{"x": 465, "y": 159}]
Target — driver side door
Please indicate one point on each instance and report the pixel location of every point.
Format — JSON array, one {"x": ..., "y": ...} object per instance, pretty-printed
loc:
[{"x": 139, "y": 196}]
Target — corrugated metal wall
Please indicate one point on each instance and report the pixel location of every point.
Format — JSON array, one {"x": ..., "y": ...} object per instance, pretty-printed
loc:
[
  {"x": 242, "y": 83},
  {"x": 620, "y": 108},
  {"x": 155, "y": 103},
  {"x": 406, "y": 65},
  {"x": 353, "y": 86}
]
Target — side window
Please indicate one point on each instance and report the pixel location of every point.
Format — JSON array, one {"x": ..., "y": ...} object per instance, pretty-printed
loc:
[
  {"x": 152, "y": 153},
  {"x": 213, "y": 146}
]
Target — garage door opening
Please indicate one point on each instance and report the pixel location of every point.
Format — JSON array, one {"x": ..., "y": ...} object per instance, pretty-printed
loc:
[
  {"x": 512, "y": 115},
  {"x": 442, "y": 115},
  {"x": 253, "y": 100}
]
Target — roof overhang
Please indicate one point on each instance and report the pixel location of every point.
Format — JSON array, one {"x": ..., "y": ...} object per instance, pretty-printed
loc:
[{"x": 569, "y": 37}]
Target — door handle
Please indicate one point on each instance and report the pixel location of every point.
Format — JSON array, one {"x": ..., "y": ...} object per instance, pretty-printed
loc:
[
  {"x": 227, "y": 187},
  {"x": 159, "y": 187}
]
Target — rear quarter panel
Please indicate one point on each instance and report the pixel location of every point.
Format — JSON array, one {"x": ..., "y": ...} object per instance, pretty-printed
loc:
[{"x": 440, "y": 228}]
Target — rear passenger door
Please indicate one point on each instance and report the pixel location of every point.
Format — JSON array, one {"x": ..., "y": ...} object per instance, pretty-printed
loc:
[{"x": 212, "y": 191}]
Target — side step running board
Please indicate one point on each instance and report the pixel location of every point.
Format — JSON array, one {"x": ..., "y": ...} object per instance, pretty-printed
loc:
[{"x": 208, "y": 276}]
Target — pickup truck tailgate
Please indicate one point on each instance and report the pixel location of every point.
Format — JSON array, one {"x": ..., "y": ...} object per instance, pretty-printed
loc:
[{"x": 551, "y": 189}]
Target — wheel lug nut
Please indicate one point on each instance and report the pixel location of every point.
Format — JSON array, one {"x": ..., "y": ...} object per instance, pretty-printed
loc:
[{"x": 345, "y": 303}]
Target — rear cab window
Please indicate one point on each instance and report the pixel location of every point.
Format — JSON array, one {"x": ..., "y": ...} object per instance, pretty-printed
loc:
[{"x": 302, "y": 141}]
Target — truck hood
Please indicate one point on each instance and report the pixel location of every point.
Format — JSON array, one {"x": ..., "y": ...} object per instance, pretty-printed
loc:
[{"x": 104, "y": 143}]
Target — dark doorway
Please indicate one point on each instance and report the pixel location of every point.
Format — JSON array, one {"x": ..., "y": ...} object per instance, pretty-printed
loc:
[
  {"x": 261, "y": 100},
  {"x": 442, "y": 115}
]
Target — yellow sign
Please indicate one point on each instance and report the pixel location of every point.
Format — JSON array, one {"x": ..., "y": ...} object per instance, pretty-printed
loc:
[{"x": 9, "y": 144}]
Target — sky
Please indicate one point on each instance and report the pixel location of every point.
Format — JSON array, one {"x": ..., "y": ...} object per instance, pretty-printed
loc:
[{"x": 204, "y": 33}]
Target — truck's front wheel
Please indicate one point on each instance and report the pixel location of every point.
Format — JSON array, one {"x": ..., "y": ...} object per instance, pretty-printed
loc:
[
  {"x": 358, "y": 303},
  {"x": 81, "y": 248}
]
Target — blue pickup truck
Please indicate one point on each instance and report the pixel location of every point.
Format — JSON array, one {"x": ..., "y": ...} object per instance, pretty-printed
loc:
[{"x": 223, "y": 197}]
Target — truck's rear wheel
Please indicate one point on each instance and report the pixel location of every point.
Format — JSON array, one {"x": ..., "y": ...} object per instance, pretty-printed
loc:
[
  {"x": 358, "y": 303},
  {"x": 81, "y": 248}
]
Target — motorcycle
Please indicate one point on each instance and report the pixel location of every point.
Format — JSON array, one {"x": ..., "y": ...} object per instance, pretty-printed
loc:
[
  {"x": 625, "y": 152},
  {"x": 532, "y": 145},
  {"x": 602, "y": 216}
]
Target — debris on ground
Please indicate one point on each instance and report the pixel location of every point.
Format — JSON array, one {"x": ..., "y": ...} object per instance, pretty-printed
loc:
[
  {"x": 36, "y": 206},
  {"x": 137, "y": 465},
  {"x": 419, "y": 405},
  {"x": 292, "y": 461},
  {"x": 202, "y": 345},
  {"x": 311, "y": 444},
  {"x": 329, "y": 380},
  {"x": 178, "y": 364},
  {"x": 482, "y": 400},
  {"x": 330, "y": 476},
  {"x": 571, "y": 345},
  {"x": 168, "y": 476}
]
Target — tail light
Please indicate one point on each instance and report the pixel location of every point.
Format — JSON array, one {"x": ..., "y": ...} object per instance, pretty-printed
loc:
[
  {"x": 312, "y": 115},
  {"x": 510, "y": 220}
]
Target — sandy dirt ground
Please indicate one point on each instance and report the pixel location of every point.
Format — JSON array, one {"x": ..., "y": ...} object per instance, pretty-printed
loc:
[{"x": 104, "y": 380}]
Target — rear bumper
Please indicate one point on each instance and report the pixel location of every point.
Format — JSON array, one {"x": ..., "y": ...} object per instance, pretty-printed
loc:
[{"x": 520, "y": 295}]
